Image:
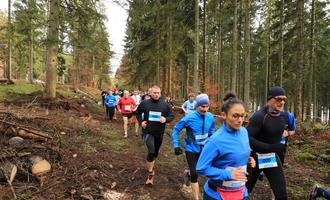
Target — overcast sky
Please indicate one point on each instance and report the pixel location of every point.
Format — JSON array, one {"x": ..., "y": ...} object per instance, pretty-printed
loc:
[{"x": 116, "y": 26}]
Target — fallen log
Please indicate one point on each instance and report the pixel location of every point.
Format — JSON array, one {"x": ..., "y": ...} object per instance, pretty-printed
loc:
[{"x": 26, "y": 132}]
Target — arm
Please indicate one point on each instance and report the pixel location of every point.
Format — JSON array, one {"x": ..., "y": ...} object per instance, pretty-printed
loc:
[
  {"x": 176, "y": 132},
  {"x": 254, "y": 128},
  {"x": 212, "y": 128},
  {"x": 184, "y": 106},
  {"x": 133, "y": 104},
  {"x": 292, "y": 123},
  {"x": 204, "y": 165},
  {"x": 170, "y": 115},
  {"x": 119, "y": 105},
  {"x": 138, "y": 112}
]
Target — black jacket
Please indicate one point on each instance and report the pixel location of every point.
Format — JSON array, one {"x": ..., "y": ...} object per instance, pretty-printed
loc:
[{"x": 152, "y": 106}]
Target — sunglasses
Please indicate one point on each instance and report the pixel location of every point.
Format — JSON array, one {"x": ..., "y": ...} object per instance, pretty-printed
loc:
[
  {"x": 236, "y": 116},
  {"x": 280, "y": 99}
]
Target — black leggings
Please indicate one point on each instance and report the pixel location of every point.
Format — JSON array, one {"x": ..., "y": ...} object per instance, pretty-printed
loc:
[
  {"x": 111, "y": 112},
  {"x": 192, "y": 159},
  {"x": 153, "y": 144},
  {"x": 275, "y": 176}
]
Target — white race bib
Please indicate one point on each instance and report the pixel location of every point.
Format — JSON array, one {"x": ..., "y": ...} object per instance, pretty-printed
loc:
[
  {"x": 127, "y": 108},
  {"x": 267, "y": 160},
  {"x": 234, "y": 184},
  {"x": 154, "y": 116}
]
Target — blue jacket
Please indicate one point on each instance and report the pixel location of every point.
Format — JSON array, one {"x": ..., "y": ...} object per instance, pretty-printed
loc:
[
  {"x": 196, "y": 137},
  {"x": 110, "y": 101},
  {"x": 226, "y": 148},
  {"x": 292, "y": 122}
]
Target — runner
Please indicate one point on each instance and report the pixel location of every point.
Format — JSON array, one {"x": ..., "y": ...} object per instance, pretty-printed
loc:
[
  {"x": 266, "y": 128},
  {"x": 169, "y": 101},
  {"x": 199, "y": 127},
  {"x": 189, "y": 105},
  {"x": 110, "y": 102},
  {"x": 104, "y": 93},
  {"x": 126, "y": 105},
  {"x": 225, "y": 156},
  {"x": 155, "y": 114},
  {"x": 137, "y": 98}
]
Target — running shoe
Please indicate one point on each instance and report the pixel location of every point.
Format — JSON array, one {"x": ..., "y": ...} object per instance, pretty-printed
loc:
[
  {"x": 125, "y": 135},
  {"x": 150, "y": 179},
  {"x": 313, "y": 194},
  {"x": 187, "y": 177}
]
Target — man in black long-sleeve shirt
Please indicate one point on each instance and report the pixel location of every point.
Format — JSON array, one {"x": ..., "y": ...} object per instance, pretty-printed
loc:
[
  {"x": 266, "y": 128},
  {"x": 153, "y": 114}
]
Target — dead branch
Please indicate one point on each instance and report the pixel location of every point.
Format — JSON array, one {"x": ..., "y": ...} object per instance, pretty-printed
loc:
[{"x": 34, "y": 132}]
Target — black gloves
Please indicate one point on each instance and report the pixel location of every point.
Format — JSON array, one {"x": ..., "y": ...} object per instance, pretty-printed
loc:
[{"x": 178, "y": 151}]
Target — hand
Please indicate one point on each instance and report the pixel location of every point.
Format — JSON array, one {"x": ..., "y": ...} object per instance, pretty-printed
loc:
[
  {"x": 144, "y": 124},
  {"x": 252, "y": 162},
  {"x": 162, "y": 119},
  {"x": 119, "y": 110},
  {"x": 178, "y": 151},
  {"x": 285, "y": 133},
  {"x": 238, "y": 175}
]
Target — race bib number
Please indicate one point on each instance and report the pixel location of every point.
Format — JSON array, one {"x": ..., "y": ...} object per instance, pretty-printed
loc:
[
  {"x": 267, "y": 160},
  {"x": 234, "y": 184},
  {"x": 127, "y": 108},
  {"x": 154, "y": 116}
]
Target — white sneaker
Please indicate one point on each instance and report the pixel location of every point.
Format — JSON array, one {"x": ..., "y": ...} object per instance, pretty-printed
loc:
[{"x": 125, "y": 135}]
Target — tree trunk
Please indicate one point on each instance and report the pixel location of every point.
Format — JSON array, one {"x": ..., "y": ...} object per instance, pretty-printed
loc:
[
  {"x": 158, "y": 45},
  {"x": 267, "y": 67},
  {"x": 234, "y": 51},
  {"x": 196, "y": 54},
  {"x": 31, "y": 59},
  {"x": 170, "y": 83},
  {"x": 311, "y": 66},
  {"x": 203, "y": 66},
  {"x": 299, "y": 59},
  {"x": 280, "y": 52},
  {"x": 8, "y": 73},
  {"x": 52, "y": 42},
  {"x": 247, "y": 42}
]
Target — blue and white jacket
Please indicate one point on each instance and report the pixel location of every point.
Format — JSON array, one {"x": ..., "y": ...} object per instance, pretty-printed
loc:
[
  {"x": 189, "y": 106},
  {"x": 110, "y": 101},
  {"x": 225, "y": 150},
  {"x": 198, "y": 130}
]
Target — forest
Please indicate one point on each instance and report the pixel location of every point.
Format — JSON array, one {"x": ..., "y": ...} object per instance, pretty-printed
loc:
[
  {"x": 58, "y": 140},
  {"x": 244, "y": 46}
]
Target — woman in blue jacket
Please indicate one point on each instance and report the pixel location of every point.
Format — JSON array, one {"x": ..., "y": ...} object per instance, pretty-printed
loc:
[
  {"x": 225, "y": 156},
  {"x": 199, "y": 127}
]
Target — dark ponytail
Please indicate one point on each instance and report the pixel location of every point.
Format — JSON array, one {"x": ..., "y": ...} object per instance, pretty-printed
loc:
[{"x": 229, "y": 101}]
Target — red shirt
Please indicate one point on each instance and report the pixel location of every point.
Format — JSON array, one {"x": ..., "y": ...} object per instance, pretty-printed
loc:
[{"x": 126, "y": 105}]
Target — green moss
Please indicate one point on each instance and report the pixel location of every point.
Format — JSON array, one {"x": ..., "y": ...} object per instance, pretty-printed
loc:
[
  {"x": 8, "y": 92},
  {"x": 304, "y": 156}
]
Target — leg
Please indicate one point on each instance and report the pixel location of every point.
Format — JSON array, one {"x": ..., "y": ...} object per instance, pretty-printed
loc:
[
  {"x": 125, "y": 119},
  {"x": 150, "y": 143},
  {"x": 192, "y": 159},
  {"x": 136, "y": 127},
  {"x": 107, "y": 110},
  {"x": 158, "y": 143},
  {"x": 111, "y": 112},
  {"x": 252, "y": 178},
  {"x": 276, "y": 180}
]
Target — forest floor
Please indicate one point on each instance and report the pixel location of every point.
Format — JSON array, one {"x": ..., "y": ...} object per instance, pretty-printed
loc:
[{"x": 90, "y": 159}]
